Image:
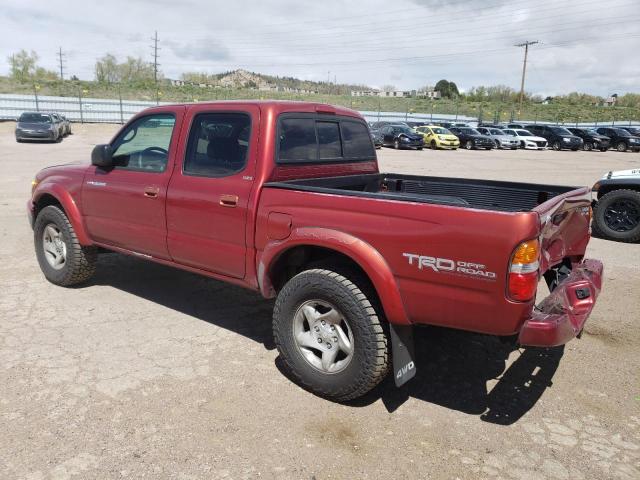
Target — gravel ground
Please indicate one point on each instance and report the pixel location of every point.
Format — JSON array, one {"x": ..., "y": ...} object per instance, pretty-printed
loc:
[{"x": 150, "y": 372}]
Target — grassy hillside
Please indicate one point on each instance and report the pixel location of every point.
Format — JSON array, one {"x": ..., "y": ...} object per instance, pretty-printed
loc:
[{"x": 488, "y": 111}]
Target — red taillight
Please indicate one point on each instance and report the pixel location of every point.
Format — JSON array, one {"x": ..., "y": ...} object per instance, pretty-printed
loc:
[{"x": 523, "y": 271}]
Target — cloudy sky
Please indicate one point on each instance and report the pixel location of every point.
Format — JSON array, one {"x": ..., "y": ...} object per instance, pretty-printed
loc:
[{"x": 585, "y": 45}]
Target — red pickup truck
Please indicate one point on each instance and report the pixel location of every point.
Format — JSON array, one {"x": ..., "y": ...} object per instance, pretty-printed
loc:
[{"x": 285, "y": 198}]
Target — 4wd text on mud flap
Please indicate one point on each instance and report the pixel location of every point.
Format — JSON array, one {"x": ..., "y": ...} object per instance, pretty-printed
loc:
[{"x": 439, "y": 265}]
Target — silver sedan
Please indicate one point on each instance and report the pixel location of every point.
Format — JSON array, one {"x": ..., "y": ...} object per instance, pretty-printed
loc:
[{"x": 501, "y": 139}]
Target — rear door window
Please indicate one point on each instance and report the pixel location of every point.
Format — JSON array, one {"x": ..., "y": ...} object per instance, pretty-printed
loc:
[
  {"x": 298, "y": 141},
  {"x": 356, "y": 141},
  {"x": 329, "y": 140}
]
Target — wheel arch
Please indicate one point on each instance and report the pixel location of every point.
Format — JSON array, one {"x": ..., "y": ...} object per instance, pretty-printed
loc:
[
  {"x": 56, "y": 196},
  {"x": 309, "y": 247},
  {"x": 608, "y": 188}
]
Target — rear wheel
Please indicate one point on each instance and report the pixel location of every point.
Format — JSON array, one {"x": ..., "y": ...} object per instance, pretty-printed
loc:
[
  {"x": 468, "y": 145},
  {"x": 617, "y": 216},
  {"x": 329, "y": 335},
  {"x": 419, "y": 148},
  {"x": 587, "y": 146},
  {"x": 497, "y": 144},
  {"x": 556, "y": 145},
  {"x": 621, "y": 147},
  {"x": 434, "y": 146},
  {"x": 396, "y": 144},
  {"x": 62, "y": 259}
]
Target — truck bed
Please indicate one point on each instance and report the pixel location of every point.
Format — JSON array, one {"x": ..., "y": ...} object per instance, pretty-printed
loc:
[{"x": 461, "y": 192}]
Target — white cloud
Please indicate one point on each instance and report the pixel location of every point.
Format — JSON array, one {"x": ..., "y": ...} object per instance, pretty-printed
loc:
[{"x": 408, "y": 43}]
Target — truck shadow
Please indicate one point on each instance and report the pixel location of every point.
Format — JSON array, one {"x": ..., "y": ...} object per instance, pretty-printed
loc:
[
  {"x": 453, "y": 367},
  {"x": 468, "y": 372},
  {"x": 226, "y": 306}
]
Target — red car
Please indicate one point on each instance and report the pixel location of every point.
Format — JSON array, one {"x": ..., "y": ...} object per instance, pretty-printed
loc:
[{"x": 286, "y": 199}]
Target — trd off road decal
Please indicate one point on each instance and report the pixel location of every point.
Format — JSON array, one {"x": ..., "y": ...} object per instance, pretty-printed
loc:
[{"x": 446, "y": 265}]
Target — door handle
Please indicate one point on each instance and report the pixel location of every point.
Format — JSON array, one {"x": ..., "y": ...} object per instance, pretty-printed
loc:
[
  {"x": 151, "y": 192},
  {"x": 229, "y": 200}
]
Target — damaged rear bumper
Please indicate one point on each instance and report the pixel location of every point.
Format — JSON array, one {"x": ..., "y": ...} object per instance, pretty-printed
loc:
[{"x": 561, "y": 316}]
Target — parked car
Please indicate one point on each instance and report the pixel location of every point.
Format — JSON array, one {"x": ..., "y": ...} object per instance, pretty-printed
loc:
[
  {"x": 470, "y": 138},
  {"x": 400, "y": 137},
  {"x": 379, "y": 125},
  {"x": 438, "y": 137},
  {"x": 516, "y": 125},
  {"x": 67, "y": 125},
  {"x": 491, "y": 125},
  {"x": 501, "y": 139},
  {"x": 616, "y": 215},
  {"x": 350, "y": 255},
  {"x": 527, "y": 139},
  {"x": 376, "y": 136},
  {"x": 559, "y": 138},
  {"x": 57, "y": 119},
  {"x": 449, "y": 125},
  {"x": 621, "y": 139},
  {"x": 591, "y": 139},
  {"x": 37, "y": 126},
  {"x": 414, "y": 125}
]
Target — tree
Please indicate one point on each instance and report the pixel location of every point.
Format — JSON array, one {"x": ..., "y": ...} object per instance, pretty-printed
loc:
[
  {"x": 447, "y": 89},
  {"x": 132, "y": 70},
  {"x": 23, "y": 65},
  {"x": 388, "y": 88}
]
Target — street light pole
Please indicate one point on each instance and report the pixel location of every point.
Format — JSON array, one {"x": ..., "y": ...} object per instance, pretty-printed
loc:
[{"x": 524, "y": 71}]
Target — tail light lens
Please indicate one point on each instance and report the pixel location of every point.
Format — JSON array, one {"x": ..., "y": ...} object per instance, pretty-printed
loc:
[{"x": 523, "y": 271}]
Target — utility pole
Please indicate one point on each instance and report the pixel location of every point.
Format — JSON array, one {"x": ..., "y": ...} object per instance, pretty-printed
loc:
[
  {"x": 61, "y": 62},
  {"x": 155, "y": 57},
  {"x": 524, "y": 70}
]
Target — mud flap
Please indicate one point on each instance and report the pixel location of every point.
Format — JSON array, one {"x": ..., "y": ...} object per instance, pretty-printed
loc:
[{"x": 404, "y": 367}]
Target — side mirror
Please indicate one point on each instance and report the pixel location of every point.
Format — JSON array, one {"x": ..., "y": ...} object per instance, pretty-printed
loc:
[{"x": 102, "y": 156}]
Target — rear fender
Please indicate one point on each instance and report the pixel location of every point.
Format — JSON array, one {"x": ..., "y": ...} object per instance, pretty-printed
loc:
[
  {"x": 367, "y": 257},
  {"x": 69, "y": 205}
]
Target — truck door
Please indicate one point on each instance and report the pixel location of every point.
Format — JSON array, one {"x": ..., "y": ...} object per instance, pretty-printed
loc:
[
  {"x": 209, "y": 192},
  {"x": 124, "y": 206}
]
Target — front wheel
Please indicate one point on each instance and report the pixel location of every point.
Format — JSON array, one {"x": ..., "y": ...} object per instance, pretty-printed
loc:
[
  {"x": 556, "y": 146},
  {"x": 617, "y": 216},
  {"x": 587, "y": 146},
  {"x": 396, "y": 144},
  {"x": 419, "y": 148},
  {"x": 434, "y": 145},
  {"x": 621, "y": 147},
  {"x": 62, "y": 259},
  {"x": 329, "y": 335},
  {"x": 468, "y": 145}
]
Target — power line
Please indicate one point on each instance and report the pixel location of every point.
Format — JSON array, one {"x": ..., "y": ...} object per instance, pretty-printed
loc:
[
  {"x": 61, "y": 56},
  {"x": 524, "y": 67}
]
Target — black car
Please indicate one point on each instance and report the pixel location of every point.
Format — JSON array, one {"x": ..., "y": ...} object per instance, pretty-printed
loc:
[
  {"x": 401, "y": 136},
  {"x": 592, "y": 139},
  {"x": 558, "y": 137},
  {"x": 450, "y": 125},
  {"x": 516, "y": 125},
  {"x": 621, "y": 140},
  {"x": 471, "y": 138},
  {"x": 376, "y": 136},
  {"x": 37, "y": 126}
]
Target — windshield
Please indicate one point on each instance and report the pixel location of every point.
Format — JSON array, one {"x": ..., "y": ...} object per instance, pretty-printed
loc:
[
  {"x": 402, "y": 129},
  {"x": 524, "y": 133},
  {"x": 441, "y": 131},
  {"x": 495, "y": 131},
  {"x": 621, "y": 133},
  {"x": 34, "y": 118},
  {"x": 561, "y": 131},
  {"x": 592, "y": 131}
]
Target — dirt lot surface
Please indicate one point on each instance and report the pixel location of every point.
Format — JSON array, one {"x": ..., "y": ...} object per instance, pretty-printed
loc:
[{"x": 149, "y": 372}]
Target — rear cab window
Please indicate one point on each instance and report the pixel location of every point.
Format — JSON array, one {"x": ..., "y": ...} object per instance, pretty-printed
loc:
[{"x": 316, "y": 138}]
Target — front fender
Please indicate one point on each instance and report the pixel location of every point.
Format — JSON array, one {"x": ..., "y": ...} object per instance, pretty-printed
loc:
[
  {"x": 367, "y": 257},
  {"x": 69, "y": 205}
]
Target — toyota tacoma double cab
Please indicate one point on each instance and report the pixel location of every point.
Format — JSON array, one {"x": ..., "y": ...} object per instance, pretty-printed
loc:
[{"x": 286, "y": 199}]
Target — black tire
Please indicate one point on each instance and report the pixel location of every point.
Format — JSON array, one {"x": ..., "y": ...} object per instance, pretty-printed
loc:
[
  {"x": 468, "y": 145},
  {"x": 488, "y": 148},
  {"x": 497, "y": 144},
  {"x": 419, "y": 148},
  {"x": 574, "y": 149},
  {"x": 623, "y": 227},
  {"x": 80, "y": 262},
  {"x": 556, "y": 146},
  {"x": 621, "y": 147},
  {"x": 368, "y": 365},
  {"x": 604, "y": 149},
  {"x": 434, "y": 145},
  {"x": 396, "y": 144},
  {"x": 587, "y": 146},
  {"x": 18, "y": 140}
]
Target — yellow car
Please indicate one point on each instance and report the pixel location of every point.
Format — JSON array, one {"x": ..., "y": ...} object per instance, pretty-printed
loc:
[{"x": 438, "y": 137}]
